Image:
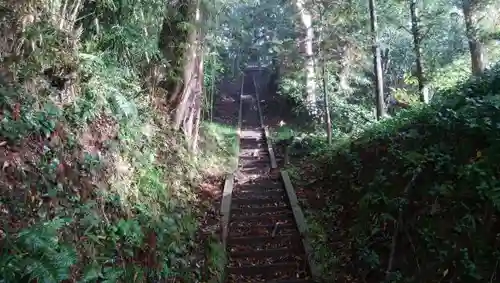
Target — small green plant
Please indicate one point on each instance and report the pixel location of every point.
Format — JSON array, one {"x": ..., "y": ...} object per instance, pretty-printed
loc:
[
  {"x": 216, "y": 259},
  {"x": 37, "y": 252}
]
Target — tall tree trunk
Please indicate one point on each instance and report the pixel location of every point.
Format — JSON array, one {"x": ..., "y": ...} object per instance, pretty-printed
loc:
[
  {"x": 189, "y": 71},
  {"x": 417, "y": 46},
  {"x": 186, "y": 95},
  {"x": 172, "y": 43},
  {"x": 377, "y": 64},
  {"x": 322, "y": 53},
  {"x": 475, "y": 45},
  {"x": 310, "y": 90}
]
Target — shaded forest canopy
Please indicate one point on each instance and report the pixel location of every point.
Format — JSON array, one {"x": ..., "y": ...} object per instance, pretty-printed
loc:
[{"x": 111, "y": 118}]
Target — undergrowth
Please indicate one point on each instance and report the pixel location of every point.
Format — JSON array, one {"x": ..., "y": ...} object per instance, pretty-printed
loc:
[
  {"x": 414, "y": 198},
  {"x": 459, "y": 70},
  {"x": 220, "y": 148},
  {"x": 99, "y": 188}
]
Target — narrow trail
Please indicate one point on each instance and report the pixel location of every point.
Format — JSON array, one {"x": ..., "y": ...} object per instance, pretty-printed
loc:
[{"x": 261, "y": 222}]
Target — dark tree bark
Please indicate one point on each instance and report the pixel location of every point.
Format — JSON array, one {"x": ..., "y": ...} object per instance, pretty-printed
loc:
[
  {"x": 417, "y": 46},
  {"x": 475, "y": 45}
]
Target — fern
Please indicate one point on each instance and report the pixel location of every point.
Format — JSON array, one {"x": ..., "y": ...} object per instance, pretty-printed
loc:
[
  {"x": 122, "y": 106},
  {"x": 39, "y": 254}
]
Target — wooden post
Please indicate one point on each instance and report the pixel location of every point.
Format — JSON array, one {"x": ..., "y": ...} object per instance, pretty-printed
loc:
[{"x": 301, "y": 225}]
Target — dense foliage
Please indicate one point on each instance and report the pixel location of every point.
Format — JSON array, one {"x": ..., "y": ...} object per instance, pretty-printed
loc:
[
  {"x": 416, "y": 197},
  {"x": 412, "y": 198},
  {"x": 342, "y": 32},
  {"x": 96, "y": 183}
]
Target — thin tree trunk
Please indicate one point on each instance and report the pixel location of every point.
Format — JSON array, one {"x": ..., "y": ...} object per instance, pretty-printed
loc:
[
  {"x": 212, "y": 90},
  {"x": 377, "y": 64},
  {"x": 475, "y": 45},
  {"x": 63, "y": 13},
  {"x": 310, "y": 90},
  {"x": 417, "y": 46},
  {"x": 328, "y": 119}
]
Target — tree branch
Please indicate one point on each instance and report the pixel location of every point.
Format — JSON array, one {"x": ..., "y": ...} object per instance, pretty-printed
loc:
[{"x": 405, "y": 28}]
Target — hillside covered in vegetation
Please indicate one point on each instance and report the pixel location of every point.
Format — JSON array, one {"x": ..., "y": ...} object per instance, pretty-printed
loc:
[
  {"x": 415, "y": 198},
  {"x": 103, "y": 145}
]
